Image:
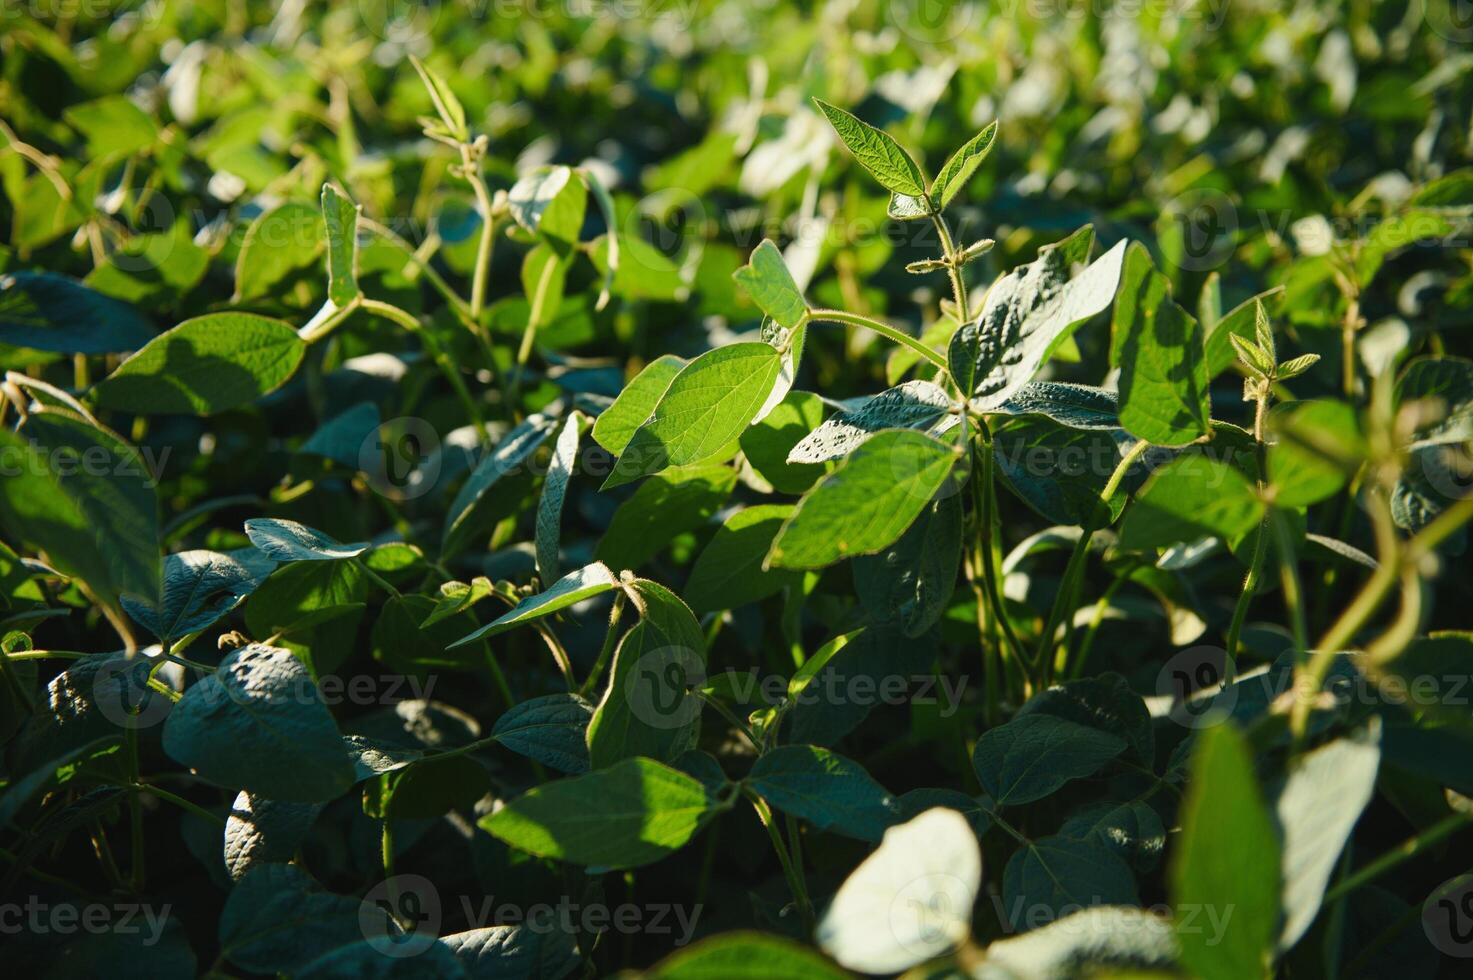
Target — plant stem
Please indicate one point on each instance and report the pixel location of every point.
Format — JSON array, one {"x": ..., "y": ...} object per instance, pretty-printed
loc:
[
  {"x": 948, "y": 252},
  {"x": 793, "y": 874},
  {"x": 1245, "y": 599},
  {"x": 607, "y": 651},
  {"x": 883, "y": 329},
  {"x": 180, "y": 802},
  {"x": 1404, "y": 851},
  {"x": 472, "y": 170},
  {"x": 1289, "y": 577},
  {"x": 377, "y": 579}
]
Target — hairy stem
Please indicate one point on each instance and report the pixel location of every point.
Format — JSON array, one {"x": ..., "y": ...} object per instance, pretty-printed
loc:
[{"x": 880, "y": 327}]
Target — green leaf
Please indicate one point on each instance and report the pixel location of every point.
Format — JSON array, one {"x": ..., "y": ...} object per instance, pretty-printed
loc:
[
  {"x": 1318, "y": 449},
  {"x": 277, "y": 920},
  {"x": 912, "y": 581},
  {"x": 447, "y": 106},
  {"x": 1054, "y": 875},
  {"x": 876, "y": 151},
  {"x": 1237, "y": 870},
  {"x": 744, "y": 955},
  {"x": 113, "y": 126},
  {"x": 903, "y": 207},
  {"x": 680, "y": 499},
  {"x": 767, "y": 442},
  {"x": 1189, "y": 498},
  {"x": 514, "y": 449},
  {"x": 1075, "y": 406},
  {"x": 340, "y": 221},
  {"x": 1105, "y": 940},
  {"x": 1033, "y": 755},
  {"x": 1323, "y": 796},
  {"x": 910, "y": 900},
  {"x": 729, "y": 573},
  {"x": 867, "y": 503},
  {"x": 1027, "y": 314},
  {"x": 1445, "y": 384},
  {"x": 404, "y": 639},
  {"x": 631, "y": 814},
  {"x": 260, "y": 707},
  {"x": 554, "y": 489},
  {"x": 261, "y": 831},
  {"x": 1158, "y": 346},
  {"x": 87, "y": 498},
  {"x": 1133, "y": 830},
  {"x": 552, "y": 730},
  {"x": 1060, "y": 472},
  {"x": 960, "y": 167},
  {"x": 282, "y": 540},
  {"x": 199, "y": 587},
  {"x": 804, "y": 675},
  {"x": 342, "y": 438},
  {"x": 532, "y": 198},
  {"x": 826, "y": 789},
  {"x": 544, "y": 274},
  {"x": 1239, "y": 322},
  {"x": 918, "y": 405},
  {"x": 650, "y": 707},
  {"x": 458, "y": 597},
  {"x": 204, "y": 366},
  {"x": 48, "y": 312},
  {"x": 536, "y": 951},
  {"x": 280, "y": 242},
  {"x": 707, "y": 406},
  {"x": 767, "y": 279},
  {"x": 585, "y": 583},
  {"x": 618, "y": 423},
  {"x": 1105, "y": 703}
]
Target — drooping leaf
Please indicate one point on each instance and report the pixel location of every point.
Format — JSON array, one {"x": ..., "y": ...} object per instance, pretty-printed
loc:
[
  {"x": 1133, "y": 830},
  {"x": 1061, "y": 472},
  {"x": 258, "y": 708},
  {"x": 204, "y": 366},
  {"x": 276, "y": 919},
  {"x": 918, "y": 405},
  {"x": 1105, "y": 939},
  {"x": 515, "y": 448},
  {"x": 261, "y": 831},
  {"x": 554, "y": 489},
  {"x": 45, "y": 311},
  {"x": 85, "y": 496},
  {"x": 632, "y": 813},
  {"x": 1071, "y": 405},
  {"x": 585, "y": 583},
  {"x": 1215, "y": 870},
  {"x": 826, "y": 789},
  {"x": 1324, "y": 795},
  {"x": 910, "y": 900},
  {"x": 705, "y": 408},
  {"x": 537, "y": 950},
  {"x": 767, "y": 279},
  {"x": 650, "y": 707},
  {"x": 1033, "y": 755},
  {"x": 1105, "y": 703},
  {"x": 867, "y": 503},
  {"x": 912, "y": 581},
  {"x": 284, "y": 541},
  {"x": 199, "y": 587},
  {"x": 876, "y": 151}
]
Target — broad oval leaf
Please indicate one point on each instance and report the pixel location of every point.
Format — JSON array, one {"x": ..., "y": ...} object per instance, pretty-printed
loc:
[
  {"x": 515, "y": 448},
  {"x": 767, "y": 279},
  {"x": 552, "y": 730},
  {"x": 918, "y": 405},
  {"x": 199, "y": 587},
  {"x": 259, "y": 723},
  {"x": 1189, "y": 498},
  {"x": 706, "y": 407},
  {"x": 910, "y": 900},
  {"x": 618, "y": 423},
  {"x": 281, "y": 241},
  {"x": 867, "y": 503},
  {"x": 729, "y": 572},
  {"x": 826, "y": 789},
  {"x": 742, "y": 955},
  {"x": 632, "y": 813},
  {"x": 205, "y": 365},
  {"x": 1033, "y": 755},
  {"x": 261, "y": 831},
  {"x": 876, "y": 151},
  {"x": 1053, "y": 875},
  {"x": 538, "y": 950},
  {"x": 1071, "y": 405},
  {"x": 670, "y": 503},
  {"x": 44, "y": 311}
]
